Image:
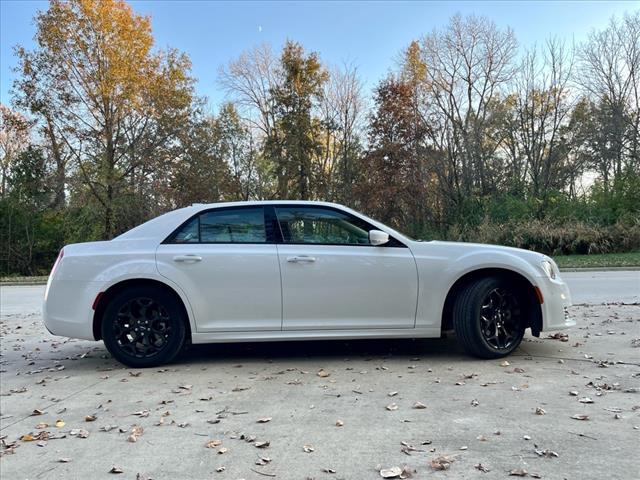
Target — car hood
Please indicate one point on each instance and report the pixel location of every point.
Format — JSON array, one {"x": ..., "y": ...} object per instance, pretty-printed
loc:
[{"x": 459, "y": 249}]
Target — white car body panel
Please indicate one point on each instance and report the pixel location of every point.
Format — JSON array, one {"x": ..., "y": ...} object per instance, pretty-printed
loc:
[
  {"x": 235, "y": 287},
  {"x": 347, "y": 287},
  {"x": 251, "y": 292}
]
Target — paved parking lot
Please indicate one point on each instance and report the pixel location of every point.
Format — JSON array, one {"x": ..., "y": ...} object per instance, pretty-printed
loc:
[{"x": 335, "y": 410}]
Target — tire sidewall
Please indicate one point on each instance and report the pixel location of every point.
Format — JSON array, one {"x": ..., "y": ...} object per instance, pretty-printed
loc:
[{"x": 176, "y": 316}]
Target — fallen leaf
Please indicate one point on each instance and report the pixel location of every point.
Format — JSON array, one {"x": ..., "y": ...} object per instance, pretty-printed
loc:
[
  {"x": 222, "y": 450},
  {"x": 475, "y": 403},
  {"x": 518, "y": 472},
  {"x": 37, "y": 412},
  {"x": 308, "y": 448},
  {"x": 90, "y": 418},
  {"x": 482, "y": 468},
  {"x": 392, "y": 394},
  {"x": 540, "y": 411},
  {"x": 339, "y": 423},
  {"x": 323, "y": 374},
  {"x": 79, "y": 432},
  {"x": 115, "y": 469},
  {"x": 419, "y": 405},
  {"x": 585, "y": 400},
  {"x": 64, "y": 460},
  {"x": 220, "y": 469},
  {"x": 391, "y": 407},
  {"x": 213, "y": 443},
  {"x": 580, "y": 417},
  {"x": 27, "y": 438},
  {"x": 392, "y": 472},
  {"x": 546, "y": 453},
  {"x": 264, "y": 419},
  {"x": 136, "y": 432},
  {"x": 328, "y": 470},
  {"x": 40, "y": 426},
  {"x": 264, "y": 444},
  {"x": 442, "y": 462}
]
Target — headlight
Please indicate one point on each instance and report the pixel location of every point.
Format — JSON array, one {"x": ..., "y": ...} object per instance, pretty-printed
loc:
[{"x": 549, "y": 269}]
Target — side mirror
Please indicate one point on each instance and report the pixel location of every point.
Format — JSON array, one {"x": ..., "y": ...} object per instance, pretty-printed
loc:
[{"x": 377, "y": 237}]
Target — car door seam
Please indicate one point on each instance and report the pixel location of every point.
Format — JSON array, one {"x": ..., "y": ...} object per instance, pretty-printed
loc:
[{"x": 281, "y": 289}]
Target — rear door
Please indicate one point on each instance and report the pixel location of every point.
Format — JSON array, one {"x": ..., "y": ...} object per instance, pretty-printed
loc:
[
  {"x": 227, "y": 264},
  {"x": 333, "y": 278}
]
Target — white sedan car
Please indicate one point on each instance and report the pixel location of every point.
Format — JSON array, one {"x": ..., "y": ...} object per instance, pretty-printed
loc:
[{"x": 294, "y": 270}]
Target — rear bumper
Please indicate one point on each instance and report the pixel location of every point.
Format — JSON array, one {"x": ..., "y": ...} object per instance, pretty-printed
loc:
[
  {"x": 66, "y": 309},
  {"x": 555, "y": 308}
]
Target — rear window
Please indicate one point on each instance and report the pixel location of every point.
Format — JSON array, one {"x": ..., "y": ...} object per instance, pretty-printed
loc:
[{"x": 233, "y": 225}]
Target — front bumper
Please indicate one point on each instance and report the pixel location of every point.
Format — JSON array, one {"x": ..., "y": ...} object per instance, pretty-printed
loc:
[{"x": 555, "y": 306}]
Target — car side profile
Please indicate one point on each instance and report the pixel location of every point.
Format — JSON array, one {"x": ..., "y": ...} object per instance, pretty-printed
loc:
[{"x": 294, "y": 270}]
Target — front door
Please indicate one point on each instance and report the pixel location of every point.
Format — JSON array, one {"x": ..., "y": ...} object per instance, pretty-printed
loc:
[
  {"x": 333, "y": 278},
  {"x": 228, "y": 267}
]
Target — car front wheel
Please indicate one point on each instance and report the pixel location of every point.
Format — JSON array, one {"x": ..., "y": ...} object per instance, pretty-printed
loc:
[
  {"x": 144, "y": 327},
  {"x": 488, "y": 317}
]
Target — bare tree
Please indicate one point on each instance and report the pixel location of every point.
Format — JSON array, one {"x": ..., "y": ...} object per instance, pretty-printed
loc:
[
  {"x": 468, "y": 65},
  {"x": 609, "y": 72},
  {"x": 14, "y": 139},
  {"x": 542, "y": 106},
  {"x": 341, "y": 113}
]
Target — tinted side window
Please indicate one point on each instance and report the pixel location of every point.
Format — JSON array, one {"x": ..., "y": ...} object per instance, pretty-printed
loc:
[
  {"x": 189, "y": 233},
  {"x": 322, "y": 226},
  {"x": 233, "y": 225}
]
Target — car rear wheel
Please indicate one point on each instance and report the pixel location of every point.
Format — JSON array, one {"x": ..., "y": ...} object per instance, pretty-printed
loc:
[
  {"x": 144, "y": 327},
  {"x": 488, "y": 318}
]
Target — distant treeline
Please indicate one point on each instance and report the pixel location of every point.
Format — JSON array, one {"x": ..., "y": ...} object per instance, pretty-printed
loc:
[{"x": 471, "y": 137}]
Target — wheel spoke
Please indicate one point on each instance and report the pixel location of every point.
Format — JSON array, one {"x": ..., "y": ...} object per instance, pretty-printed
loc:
[
  {"x": 499, "y": 318},
  {"x": 142, "y": 328}
]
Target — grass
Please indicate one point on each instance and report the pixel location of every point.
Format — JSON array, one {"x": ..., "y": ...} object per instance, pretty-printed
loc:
[
  {"x": 17, "y": 280},
  {"x": 631, "y": 259}
]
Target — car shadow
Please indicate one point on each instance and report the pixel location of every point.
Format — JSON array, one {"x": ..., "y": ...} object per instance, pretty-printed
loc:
[{"x": 318, "y": 349}]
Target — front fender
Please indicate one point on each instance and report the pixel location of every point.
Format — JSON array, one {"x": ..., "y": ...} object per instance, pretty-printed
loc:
[{"x": 438, "y": 274}]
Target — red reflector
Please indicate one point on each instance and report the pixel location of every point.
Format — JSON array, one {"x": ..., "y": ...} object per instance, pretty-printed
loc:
[
  {"x": 539, "y": 295},
  {"x": 97, "y": 300}
]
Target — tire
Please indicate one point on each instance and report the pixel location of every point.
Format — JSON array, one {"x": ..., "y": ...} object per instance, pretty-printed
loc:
[
  {"x": 488, "y": 317},
  {"x": 144, "y": 327}
]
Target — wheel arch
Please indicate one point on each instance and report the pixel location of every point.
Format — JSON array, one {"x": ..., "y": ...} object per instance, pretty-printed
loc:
[
  {"x": 527, "y": 289},
  {"x": 105, "y": 297}
]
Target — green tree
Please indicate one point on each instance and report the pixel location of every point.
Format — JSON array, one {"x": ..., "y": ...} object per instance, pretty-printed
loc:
[
  {"x": 113, "y": 102},
  {"x": 297, "y": 143}
]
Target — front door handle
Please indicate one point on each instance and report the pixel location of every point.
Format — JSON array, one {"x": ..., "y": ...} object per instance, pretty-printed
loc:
[
  {"x": 301, "y": 259},
  {"x": 187, "y": 258}
]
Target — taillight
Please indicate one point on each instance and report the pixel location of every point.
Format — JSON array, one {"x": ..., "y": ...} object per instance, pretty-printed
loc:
[{"x": 57, "y": 262}]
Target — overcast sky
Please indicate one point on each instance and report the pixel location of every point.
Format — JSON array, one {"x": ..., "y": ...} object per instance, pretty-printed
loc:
[{"x": 369, "y": 34}]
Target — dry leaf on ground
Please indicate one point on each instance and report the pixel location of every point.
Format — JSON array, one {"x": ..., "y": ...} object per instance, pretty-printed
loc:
[
  {"x": 443, "y": 462},
  {"x": 136, "y": 432}
]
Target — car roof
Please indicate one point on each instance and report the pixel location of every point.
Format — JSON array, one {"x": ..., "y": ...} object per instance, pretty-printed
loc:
[{"x": 266, "y": 202}]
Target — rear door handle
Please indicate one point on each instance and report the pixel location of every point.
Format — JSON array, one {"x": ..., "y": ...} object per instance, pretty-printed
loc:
[
  {"x": 301, "y": 259},
  {"x": 187, "y": 258}
]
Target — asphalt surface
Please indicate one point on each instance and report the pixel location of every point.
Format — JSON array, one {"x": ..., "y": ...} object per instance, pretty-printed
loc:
[{"x": 328, "y": 410}]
